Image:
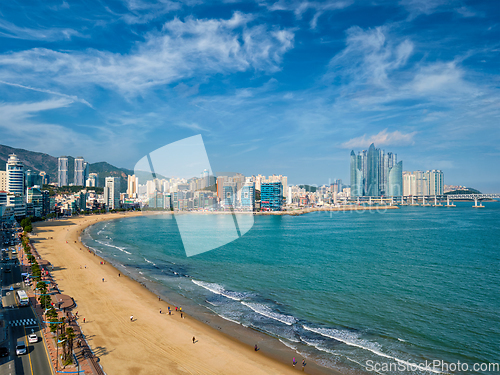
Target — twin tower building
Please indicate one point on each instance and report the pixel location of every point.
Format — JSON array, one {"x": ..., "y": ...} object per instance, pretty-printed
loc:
[{"x": 81, "y": 171}]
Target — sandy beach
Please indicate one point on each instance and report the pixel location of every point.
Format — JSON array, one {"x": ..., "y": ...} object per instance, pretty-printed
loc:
[{"x": 152, "y": 343}]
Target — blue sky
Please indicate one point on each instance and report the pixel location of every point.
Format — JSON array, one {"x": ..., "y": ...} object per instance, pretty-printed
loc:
[{"x": 285, "y": 87}]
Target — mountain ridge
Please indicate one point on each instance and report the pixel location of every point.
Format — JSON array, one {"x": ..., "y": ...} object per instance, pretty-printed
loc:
[{"x": 39, "y": 161}]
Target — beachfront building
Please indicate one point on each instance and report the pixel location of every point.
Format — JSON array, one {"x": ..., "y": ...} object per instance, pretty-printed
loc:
[
  {"x": 229, "y": 200},
  {"x": 112, "y": 193},
  {"x": 62, "y": 171},
  {"x": 271, "y": 196},
  {"x": 132, "y": 183},
  {"x": 15, "y": 175},
  {"x": 34, "y": 202},
  {"x": 247, "y": 197}
]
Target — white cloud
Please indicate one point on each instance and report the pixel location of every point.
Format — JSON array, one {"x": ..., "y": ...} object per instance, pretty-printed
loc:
[
  {"x": 181, "y": 50},
  {"x": 71, "y": 97},
  {"x": 10, "y": 30},
  {"x": 369, "y": 56},
  {"x": 300, "y": 7},
  {"x": 384, "y": 138}
]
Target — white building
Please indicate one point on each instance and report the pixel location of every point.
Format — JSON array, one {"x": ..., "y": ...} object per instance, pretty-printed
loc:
[
  {"x": 62, "y": 171},
  {"x": 80, "y": 175},
  {"x": 419, "y": 183},
  {"x": 112, "y": 192}
]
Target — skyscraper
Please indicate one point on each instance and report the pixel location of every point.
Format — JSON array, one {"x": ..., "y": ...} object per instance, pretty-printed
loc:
[
  {"x": 80, "y": 169},
  {"x": 112, "y": 192},
  {"x": 132, "y": 183},
  {"x": 370, "y": 173},
  {"x": 62, "y": 171},
  {"x": 419, "y": 183},
  {"x": 395, "y": 180},
  {"x": 15, "y": 175},
  {"x": 15, "y": 185},
  {"x": 357, "y": 183}
]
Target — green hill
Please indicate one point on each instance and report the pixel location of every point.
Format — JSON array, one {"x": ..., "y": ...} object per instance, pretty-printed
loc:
[
  {"x": 38, "y": 161},
  {"x": 463, "y": 191}
]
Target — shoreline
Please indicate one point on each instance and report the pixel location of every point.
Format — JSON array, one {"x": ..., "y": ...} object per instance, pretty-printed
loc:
[{"x": 230, "y": 343}]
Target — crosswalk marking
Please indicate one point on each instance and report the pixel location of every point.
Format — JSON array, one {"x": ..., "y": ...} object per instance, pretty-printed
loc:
[{"x": 23, "y": 322}]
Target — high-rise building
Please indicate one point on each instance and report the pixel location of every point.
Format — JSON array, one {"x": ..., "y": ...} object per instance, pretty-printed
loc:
[
  {"x": 271, "y": 196},
  {"x": 132, "y": 182},
  {"x": 357, "y": 181},
  {"x": 112, "y": 192},
  {"x": 34, "y": 199},
  {"x": 81, "y": 169},
  {"x": 33, "y": 178},
  {"x": 3, "y": 180},
  {"x": 435, "y": 180},
  {"x": 419, "y": 183},
  {"x": 15, "y": 175},
  {"x": 370, "y": 171},
  {"x": 62, "y": 171},
  {"x": 395, "y": 180}
]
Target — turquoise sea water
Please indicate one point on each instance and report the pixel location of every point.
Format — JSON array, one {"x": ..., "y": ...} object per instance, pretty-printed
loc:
[{"x": 345, "y": 289}]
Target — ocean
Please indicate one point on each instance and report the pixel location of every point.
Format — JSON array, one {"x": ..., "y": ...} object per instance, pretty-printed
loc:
[{"x": 380, "y": 291}]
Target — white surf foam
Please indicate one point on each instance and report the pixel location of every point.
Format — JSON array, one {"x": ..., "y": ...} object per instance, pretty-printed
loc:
[
  {"x": 116, "y": 247},
  {"x": 219, "y": 289},
  {"x": 341, "y": 336},
  {"x": 267, "y": 312}
]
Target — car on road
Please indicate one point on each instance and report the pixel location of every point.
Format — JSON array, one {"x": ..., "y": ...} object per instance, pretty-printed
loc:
[
  {"x": 4, "y": 352},
  {"x": 32, "y": 338},
  {"x": 20, "y": 348}
]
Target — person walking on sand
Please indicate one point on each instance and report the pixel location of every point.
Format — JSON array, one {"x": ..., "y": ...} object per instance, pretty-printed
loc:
[
  {"x": 131, "y": 318},
  {"x": 84, "y": 320},
  {"x": 303, "y": 364},
  {"x": 103, "y": 279},
  {"x": 294, "y": 362},
  {"x": 194, "y": 339},
  {"x": 181, "y": 315},
  {"x": 160, "y": 311}
]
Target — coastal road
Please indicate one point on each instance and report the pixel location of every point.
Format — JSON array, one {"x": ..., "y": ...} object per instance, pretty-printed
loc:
[{"x": 19, "y": 323}]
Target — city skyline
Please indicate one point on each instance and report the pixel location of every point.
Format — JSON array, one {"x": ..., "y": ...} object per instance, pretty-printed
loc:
[{"x": 273, "y": 87}]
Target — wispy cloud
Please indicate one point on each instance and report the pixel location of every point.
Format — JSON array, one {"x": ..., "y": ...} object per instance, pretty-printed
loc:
[
  {"x": 10, "y": 30},
  {"x": 72, "y": 97},
  {"x": 182, "y": 49},
  {"x": 370, "y": 56},
  {"x": 300, "y": 7},
  {"x": 384, "y": 138}
]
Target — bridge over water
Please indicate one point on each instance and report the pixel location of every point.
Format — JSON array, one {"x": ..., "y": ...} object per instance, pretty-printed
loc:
[{"x": 427, "y": 200}]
